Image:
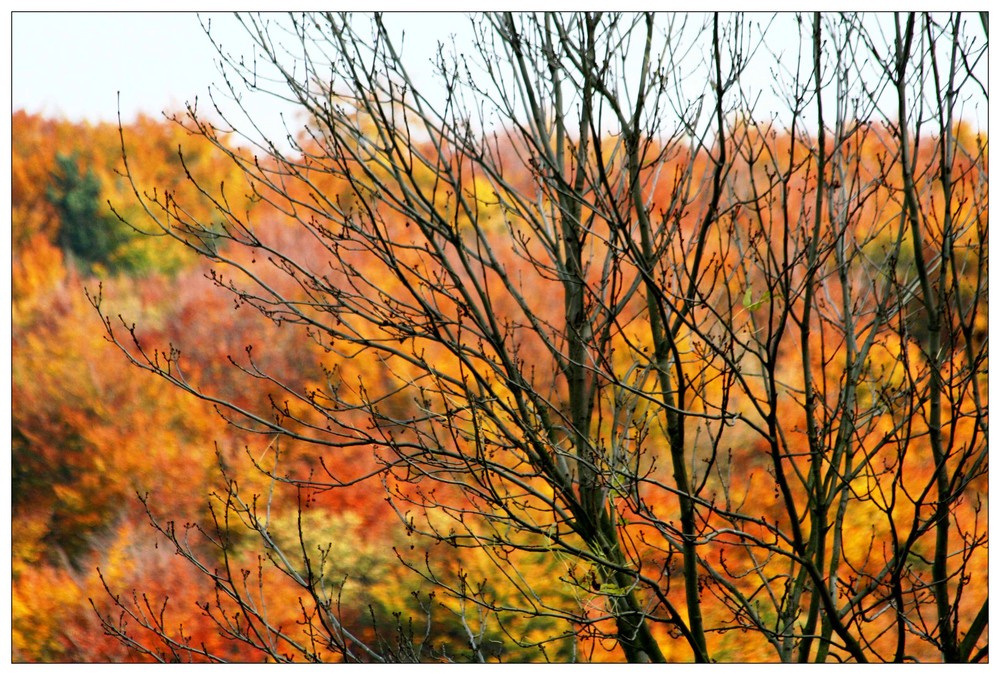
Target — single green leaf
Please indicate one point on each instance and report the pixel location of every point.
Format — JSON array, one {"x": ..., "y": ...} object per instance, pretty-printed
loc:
[
  {"x": 749, "y": 303},
  {"x": 612, "y": 589}
]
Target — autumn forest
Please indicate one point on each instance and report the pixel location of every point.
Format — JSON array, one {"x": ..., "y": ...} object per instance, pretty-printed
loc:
[{"x": 576, "y": 358}]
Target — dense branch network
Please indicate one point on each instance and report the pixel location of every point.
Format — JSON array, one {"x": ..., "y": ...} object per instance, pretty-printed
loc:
[{"x": 695, "y": 365}]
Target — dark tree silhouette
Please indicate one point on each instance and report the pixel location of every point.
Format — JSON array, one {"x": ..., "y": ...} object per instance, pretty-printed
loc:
[{"x": 613, "y": 320}]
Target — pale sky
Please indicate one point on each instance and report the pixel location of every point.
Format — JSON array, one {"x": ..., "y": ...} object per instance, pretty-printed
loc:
[
  {"x": 76, "y": 65},
  {"x": 73, "y": 64},
  {"x": 88, "y": 65}
]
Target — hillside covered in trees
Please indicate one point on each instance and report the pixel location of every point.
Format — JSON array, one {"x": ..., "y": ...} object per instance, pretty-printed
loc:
[{"x": 547, "y": 393}]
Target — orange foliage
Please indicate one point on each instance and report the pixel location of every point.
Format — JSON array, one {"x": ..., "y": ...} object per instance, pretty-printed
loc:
[{"x": 90, "y": 430}]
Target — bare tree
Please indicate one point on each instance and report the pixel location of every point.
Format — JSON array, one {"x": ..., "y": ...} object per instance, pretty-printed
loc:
[{"x": 760, "y": 335}]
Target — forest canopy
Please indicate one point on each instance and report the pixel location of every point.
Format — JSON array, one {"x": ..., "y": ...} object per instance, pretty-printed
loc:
[{"x": 575, "y": 355}]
